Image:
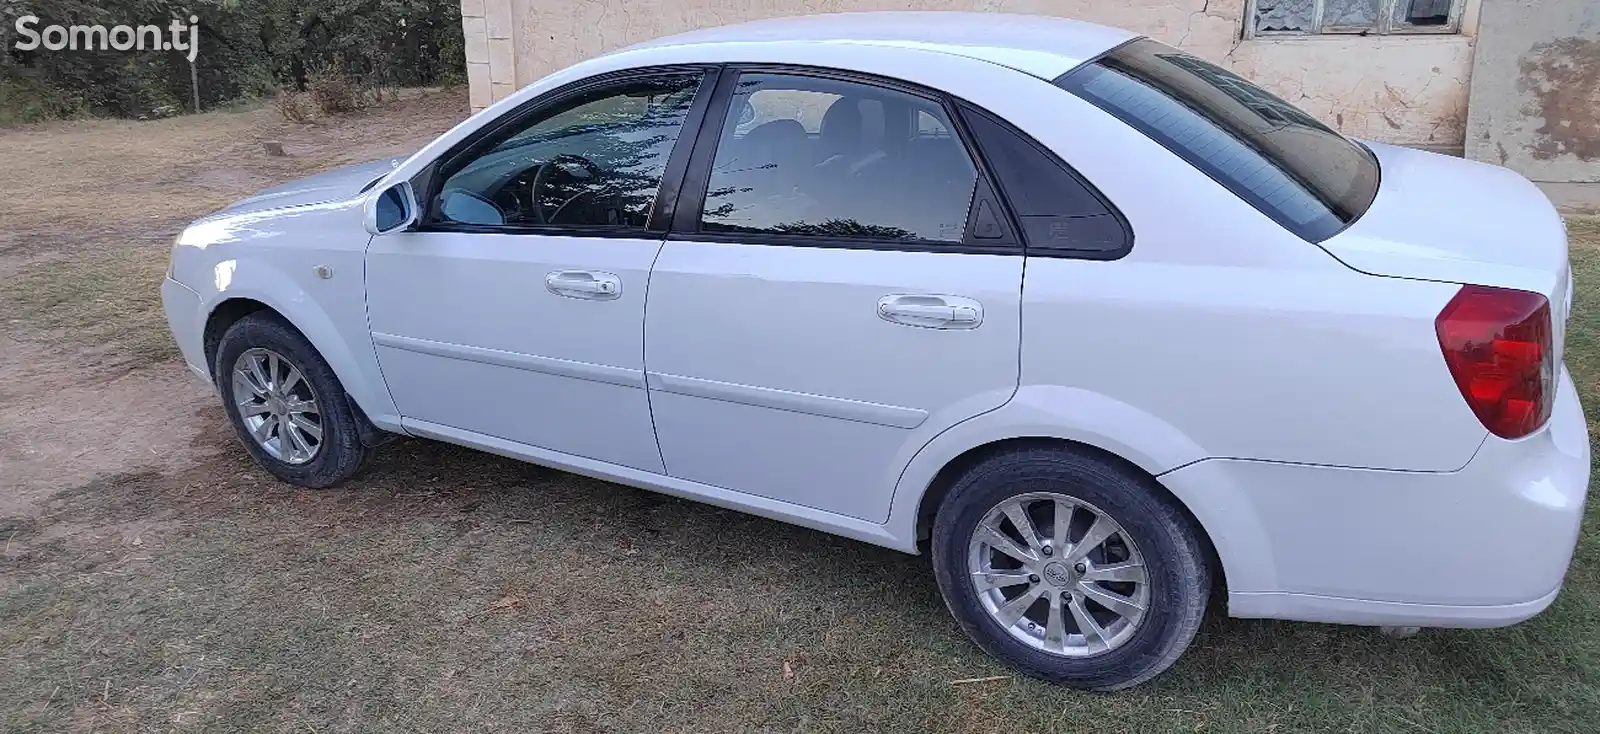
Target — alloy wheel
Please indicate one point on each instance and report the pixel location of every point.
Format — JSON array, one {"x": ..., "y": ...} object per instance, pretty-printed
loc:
[
  {"x": 277, "y": 405},
  {"x": 1058, "y": 574}
]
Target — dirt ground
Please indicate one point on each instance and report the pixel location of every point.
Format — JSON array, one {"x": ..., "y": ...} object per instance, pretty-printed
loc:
[
  {"x": 109, "y": 196},
  {"x": 151, "y": 578}
]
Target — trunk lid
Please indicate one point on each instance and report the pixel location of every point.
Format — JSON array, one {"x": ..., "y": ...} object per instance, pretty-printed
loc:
[
  {"x": 1441, "y": 218},
  {"x": 1447, "y": 219}
]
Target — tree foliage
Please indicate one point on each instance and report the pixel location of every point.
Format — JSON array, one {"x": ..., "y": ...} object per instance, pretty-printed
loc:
[{"x": 247, "y": 48}]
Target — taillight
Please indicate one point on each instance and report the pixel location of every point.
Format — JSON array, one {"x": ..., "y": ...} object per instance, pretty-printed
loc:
[{"x": 1497, "y": 343}]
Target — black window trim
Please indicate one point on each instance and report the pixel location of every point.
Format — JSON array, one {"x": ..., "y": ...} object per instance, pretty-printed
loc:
[
  {"x": 691, "y": 196},
  {"x": 1032, "y": 250},
  {"x": 466, "y": 150}
]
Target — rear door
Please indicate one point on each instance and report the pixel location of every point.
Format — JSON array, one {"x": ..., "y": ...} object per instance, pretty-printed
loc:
[{"x": 840, "y": 286}]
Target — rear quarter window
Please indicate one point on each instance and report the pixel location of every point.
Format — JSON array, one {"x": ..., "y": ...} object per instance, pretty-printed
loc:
[{"x": 1308, "y": 178}]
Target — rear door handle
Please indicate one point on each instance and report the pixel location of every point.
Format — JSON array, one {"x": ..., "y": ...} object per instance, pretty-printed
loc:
[
  {"x": 931, "y": 311},
  {"x": 587, "y": 284}
]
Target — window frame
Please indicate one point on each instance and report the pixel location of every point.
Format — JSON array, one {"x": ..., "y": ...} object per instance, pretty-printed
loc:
[
  {"x": 967, "y": 110},
  {"x": 1385, "y": 25},
  {"x": 433, "y": 177},
  {"x": 691, "y": 196}
]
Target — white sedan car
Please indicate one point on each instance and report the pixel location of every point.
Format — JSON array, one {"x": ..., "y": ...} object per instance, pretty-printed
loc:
[{"x": 1100, "y": 326}]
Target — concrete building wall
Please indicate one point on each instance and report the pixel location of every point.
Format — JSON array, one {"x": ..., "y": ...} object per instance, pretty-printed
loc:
[
  {"x": 1403, "y": 89},
  {"x": 1536, "y": 92}
]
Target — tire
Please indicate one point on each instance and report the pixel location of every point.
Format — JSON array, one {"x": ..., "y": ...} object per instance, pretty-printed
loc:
[
  {"x": 1154, "y": 530},
  {"x": 339, "y": 452}
]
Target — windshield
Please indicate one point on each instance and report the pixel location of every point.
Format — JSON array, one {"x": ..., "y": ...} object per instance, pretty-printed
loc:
[{"x": 1285, "y": 163}]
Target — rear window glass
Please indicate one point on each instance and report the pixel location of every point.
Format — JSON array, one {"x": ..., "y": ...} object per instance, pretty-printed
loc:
[{"x": 1285, "y": 163}]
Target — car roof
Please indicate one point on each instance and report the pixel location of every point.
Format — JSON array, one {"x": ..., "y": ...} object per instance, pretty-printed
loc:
[{"x": 1042, "y": 46}]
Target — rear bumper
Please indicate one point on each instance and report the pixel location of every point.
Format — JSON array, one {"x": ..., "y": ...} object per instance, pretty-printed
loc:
[
  {"x": 1484, "y": 546},
  {"x": 187, "y": 322}
]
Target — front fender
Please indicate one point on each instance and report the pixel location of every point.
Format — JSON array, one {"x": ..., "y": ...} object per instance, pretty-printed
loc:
[
  {"x": 356, "y": 370},
  {"x": 306, "y": 263}
]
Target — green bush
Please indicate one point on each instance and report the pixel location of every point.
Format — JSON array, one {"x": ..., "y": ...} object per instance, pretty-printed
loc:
[
  {"x": 24, "y": 99},
  {"x": 248, "y": 48}
]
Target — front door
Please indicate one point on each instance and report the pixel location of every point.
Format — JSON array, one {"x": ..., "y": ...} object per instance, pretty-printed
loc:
[
  {"x": 516, "y": 311},
  {"x": 847, "y": 290}
]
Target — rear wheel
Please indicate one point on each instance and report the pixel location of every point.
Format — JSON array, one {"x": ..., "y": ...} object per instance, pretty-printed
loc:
[
  {"x": 286, "y": 404},
  {"x": 1070, "y": 567}
]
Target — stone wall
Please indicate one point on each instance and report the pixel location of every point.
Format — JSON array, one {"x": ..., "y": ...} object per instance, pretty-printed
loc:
[
  {"x": 1536, "y": 89},
  {"x": 1403, "y": 89}
]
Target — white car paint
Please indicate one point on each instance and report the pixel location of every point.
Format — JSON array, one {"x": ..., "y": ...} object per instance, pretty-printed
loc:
[
  {"x": 269, "y": 256},
  {"x": 1364, "y": 546},
  {"x": 1418, "y": 230},
  {"x": 466, "y": 325},
  {"x": 1040, "y": 47},
  {"x": 1294, "y": 400},
  {"x": 762, "y": 357}
]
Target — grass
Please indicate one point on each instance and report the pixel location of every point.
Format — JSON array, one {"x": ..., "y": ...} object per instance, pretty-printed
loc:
[
  {"x": 88, "y": 237},
  {"x": 104, "y": 298},
  {"x": 447, "y": 590}
]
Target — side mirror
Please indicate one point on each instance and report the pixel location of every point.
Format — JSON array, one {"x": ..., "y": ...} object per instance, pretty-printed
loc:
[{"x": 393, "y": 209}]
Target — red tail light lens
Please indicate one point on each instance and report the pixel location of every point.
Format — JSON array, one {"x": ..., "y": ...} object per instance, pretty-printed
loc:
[{"x": 1498, "y": 345}]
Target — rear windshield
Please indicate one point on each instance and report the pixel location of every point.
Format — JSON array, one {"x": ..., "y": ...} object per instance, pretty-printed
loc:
[{"x": 1307, "y": 177}]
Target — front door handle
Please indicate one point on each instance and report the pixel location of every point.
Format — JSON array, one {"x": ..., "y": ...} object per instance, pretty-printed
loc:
[
  {"x": 931, "y": 311},
  {"x": 586, "y": 284}
]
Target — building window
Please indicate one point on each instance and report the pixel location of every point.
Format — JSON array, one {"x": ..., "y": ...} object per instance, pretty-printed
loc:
[{"x": 1351, "y": 17}]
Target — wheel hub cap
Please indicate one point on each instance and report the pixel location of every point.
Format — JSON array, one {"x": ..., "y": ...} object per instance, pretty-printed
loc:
[{"x": 1059, "y": 574}]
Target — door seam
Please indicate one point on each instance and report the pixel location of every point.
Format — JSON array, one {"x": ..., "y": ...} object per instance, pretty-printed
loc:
[{"x": 644, "y": 356}]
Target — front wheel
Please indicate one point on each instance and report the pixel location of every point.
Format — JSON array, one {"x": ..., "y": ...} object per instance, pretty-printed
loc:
[
  {"x": 1070, "y": 567},
  {"x": 286, "y": 404}
]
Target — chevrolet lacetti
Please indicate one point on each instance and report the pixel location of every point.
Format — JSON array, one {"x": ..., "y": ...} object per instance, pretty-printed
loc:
[{"x": 1101, "y": 327}]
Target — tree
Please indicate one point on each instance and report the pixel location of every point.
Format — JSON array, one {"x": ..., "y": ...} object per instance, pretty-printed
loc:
[{"x": 247, "y": 48}]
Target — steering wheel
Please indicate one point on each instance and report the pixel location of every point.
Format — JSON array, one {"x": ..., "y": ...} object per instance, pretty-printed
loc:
[{"x": 542, "y": 176}]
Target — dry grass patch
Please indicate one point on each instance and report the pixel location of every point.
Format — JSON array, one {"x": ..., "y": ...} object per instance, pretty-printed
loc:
[
  {"x": 1583, "y": 231},
  {"x": 121, "y": 175},
  {"x": 86, "y": 243},
  {"x": 448, "y": 590},
  {"x": 98, "y": 299}
]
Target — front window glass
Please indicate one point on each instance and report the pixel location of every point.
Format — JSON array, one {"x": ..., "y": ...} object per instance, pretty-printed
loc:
[
  {"x": 593, "y": 160},
  {"x": 1307, "y": 177}
]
